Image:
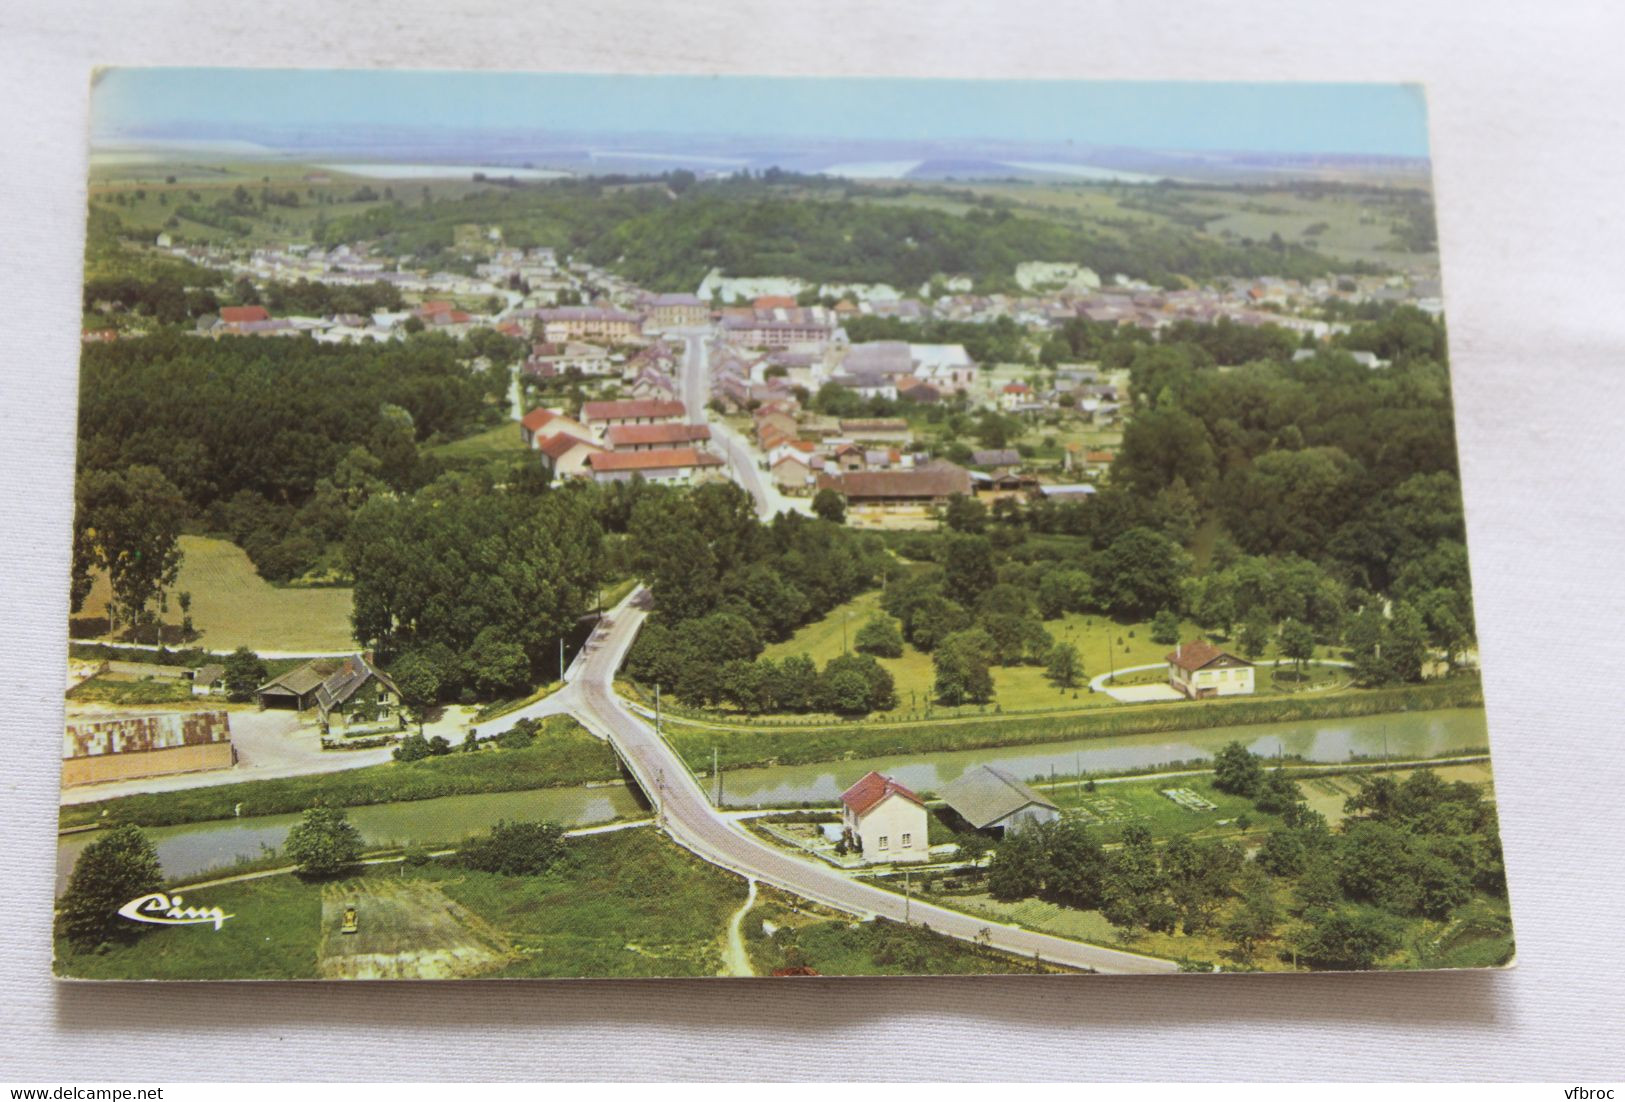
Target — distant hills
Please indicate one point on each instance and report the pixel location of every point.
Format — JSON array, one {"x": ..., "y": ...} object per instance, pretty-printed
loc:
[{"x": 709, "y": 155}]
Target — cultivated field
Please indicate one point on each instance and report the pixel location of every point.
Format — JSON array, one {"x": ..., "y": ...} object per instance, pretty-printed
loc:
[
  {"x": 233, "y": 606},
  {"x": 406, "y": 930}
]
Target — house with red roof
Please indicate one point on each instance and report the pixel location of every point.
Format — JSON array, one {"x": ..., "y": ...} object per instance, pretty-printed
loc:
[
  {"x": 540, "y": 424},
  {"x": 600, "y": 417},
  {"x": 568, "y": 456},
  {"x": 1200, "y": 670},
  {"x": 679, "y": 465},
  {"x": 237, "y": 315},
  {"x": 885, "y": 821}
]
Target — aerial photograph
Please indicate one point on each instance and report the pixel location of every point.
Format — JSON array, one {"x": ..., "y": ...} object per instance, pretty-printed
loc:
[{"x": 568, "y": 526}]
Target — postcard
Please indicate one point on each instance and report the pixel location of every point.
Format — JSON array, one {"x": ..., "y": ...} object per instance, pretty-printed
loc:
[{"x": 649, "y": 526}]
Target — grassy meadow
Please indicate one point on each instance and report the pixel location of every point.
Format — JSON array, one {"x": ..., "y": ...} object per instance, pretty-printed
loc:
[
  {"x": 1103, "y": 644},
  {"x": 233, "y": 606},
  {"x": 622, "y": 904}
]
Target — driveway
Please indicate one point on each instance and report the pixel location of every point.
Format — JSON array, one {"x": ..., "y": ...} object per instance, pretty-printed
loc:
[
  {"x": 269, "y": 744},
  {"x": 1143, "y": 694}
]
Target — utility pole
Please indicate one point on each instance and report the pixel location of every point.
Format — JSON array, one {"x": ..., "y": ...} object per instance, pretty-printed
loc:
[
  {"x": 1111, "y": 660},
  {"x": 561, "y": 659},
  {"x": 657, "y": 709},
  {"x": 716, "y": 775},
  {"x": 908, "y": 896}
]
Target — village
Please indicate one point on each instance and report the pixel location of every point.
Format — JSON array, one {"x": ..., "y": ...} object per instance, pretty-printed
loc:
[{"x": 989, "y": 674}]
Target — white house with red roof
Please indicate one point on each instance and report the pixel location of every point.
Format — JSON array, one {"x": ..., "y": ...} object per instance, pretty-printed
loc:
[
  {"x": 680, "y": 465},
  {"x": 1014, "y": 396},
  {"x": 600, "y": 417},
  {"x": 1200, "y": 670},
  {"x": 885, "y": 820},
  {"x": 540, "y": 424},
  {"x": 568, "y": 456}
]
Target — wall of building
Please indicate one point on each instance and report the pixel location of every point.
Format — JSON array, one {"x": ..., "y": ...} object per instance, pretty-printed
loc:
[
  {"x": 147, "y": 763},
  {"x": 891, "y": 819}
]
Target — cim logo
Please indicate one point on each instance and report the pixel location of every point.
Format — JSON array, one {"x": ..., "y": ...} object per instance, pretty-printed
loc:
[{"x": 162, "y": 909}]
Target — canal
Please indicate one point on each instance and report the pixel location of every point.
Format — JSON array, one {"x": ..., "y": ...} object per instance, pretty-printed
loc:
[{"x": 196, "y": 848}]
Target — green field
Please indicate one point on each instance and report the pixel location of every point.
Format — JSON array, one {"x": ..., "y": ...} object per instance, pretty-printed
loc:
[
  {"x": 563, "y": 754},
  {"x": 1103, "y": 644},
  {"x": 213, "y": 180},
  {"x": 626, "y": 904},
  {"x": 500, "y": 442},
  {"x": 233, "y": 606},
  {"x": 804, "y": 935}
]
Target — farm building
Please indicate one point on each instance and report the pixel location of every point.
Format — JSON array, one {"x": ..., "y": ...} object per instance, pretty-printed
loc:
[
  {"x": 117, "y": 748},
  {"x": 350, "y": 694},
  {"x": 209, "y": 680},
  {"x": 886, "y": 821},
  {"x": 992, "y": 800}
]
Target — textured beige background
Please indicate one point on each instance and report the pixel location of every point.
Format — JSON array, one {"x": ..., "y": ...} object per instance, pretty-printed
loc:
[{"x": 1529, "y": 146}]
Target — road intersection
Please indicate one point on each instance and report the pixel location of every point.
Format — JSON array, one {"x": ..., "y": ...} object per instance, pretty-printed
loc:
[{"x": 684, "y": 811}]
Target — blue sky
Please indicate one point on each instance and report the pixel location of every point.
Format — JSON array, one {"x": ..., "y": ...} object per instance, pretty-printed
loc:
[{"x": 1388, "y": 119}]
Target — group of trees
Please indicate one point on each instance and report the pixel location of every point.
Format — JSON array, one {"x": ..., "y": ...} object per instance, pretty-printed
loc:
[
  {"x": 725, "y": 586},
  {"x": 1413, "y": 848},
  {"x": 127, "y": 523},
  {"x": 1409, "y": 849},
  {"x": 472, "y": 582},
  {"x": 274, "y": 443},
  {"x": 326, "y": 299},
  {"x": 1136, "y": 885}
]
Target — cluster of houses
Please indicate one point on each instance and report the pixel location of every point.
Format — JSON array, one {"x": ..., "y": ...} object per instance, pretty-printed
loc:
[{"x": 649, "y": 438}]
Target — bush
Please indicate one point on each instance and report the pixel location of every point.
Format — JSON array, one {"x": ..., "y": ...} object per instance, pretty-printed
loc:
[
  {"x": 519, "y": 736},
  {"x": 114, "y": 869},
  {"x": 324, "y": 842},
  {"x": 413, "y": 748},
  {"x": 515, "y": 849}
]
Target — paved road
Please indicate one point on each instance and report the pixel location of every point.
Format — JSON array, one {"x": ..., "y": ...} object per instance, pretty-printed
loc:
[
  {"x": 686, "y": 814},
  {"x": 695, "y": 380}
]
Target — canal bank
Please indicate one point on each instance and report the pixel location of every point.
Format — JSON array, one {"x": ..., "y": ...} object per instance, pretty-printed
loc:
[{"x": 216, "y": 845}]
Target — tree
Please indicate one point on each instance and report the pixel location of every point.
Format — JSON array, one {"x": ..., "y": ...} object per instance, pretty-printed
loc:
[
  {"x": 244, "y": 672},
  {"x": 515, "y": 849},
  {"x": 1276, "y": 792},
  {"x": 1018, "y": 867},
  {"x": 1406, "y": 643},
  {"x": 829, "y": 505},
  {"x": 1136, "y": 888},
  {"x": 419, "y": 683},
  {"x": 1255, "y": 634},
  {"x": 1165, "y": 627},
  {"x": 1063, "y": 666},
  {"x": 965, "y": 514},
  {"x": 879, "y": 637},
  {"x": 1347, "y": 937},
  {"x": 323, "y": 842},
  {"x": 1297, "y": 642},
  {"x": 1199, "y": 876},
  {"x": 962, "y": 664},
  {"x": 1141, "y": 572},
  {"x": 968, "y": 567},
  {"x": 1237, "y": 770},
  {"x": 128, "y": 522},
  {"x": 118, "y": 867},
  {"x": 1255, "y": 917}
]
